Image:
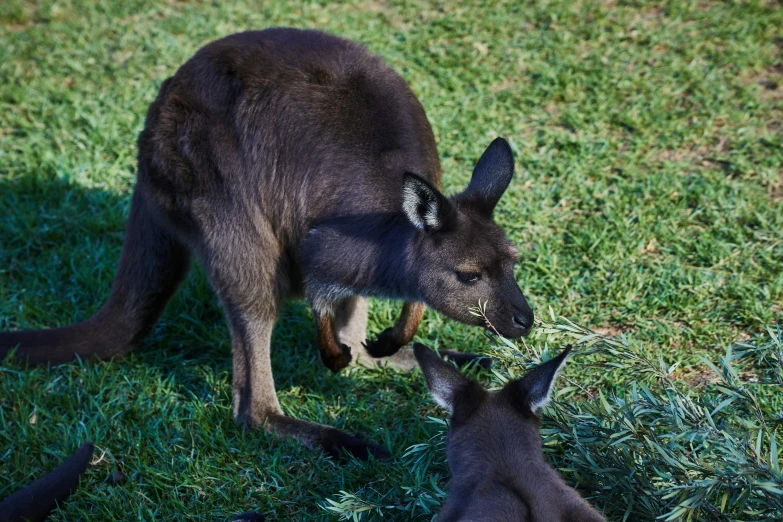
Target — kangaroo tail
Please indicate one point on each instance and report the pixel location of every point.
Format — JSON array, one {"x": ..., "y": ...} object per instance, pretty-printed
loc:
[
  {"x": 36, "y": 501},
  {"x": 152, "y": 264}
]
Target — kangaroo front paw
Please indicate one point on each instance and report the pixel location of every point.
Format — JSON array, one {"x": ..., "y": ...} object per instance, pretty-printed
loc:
[
  {"x": 339, "y": 444},
  {"x": 384, "y": 345},
  {"x": 339, "y": 361}
]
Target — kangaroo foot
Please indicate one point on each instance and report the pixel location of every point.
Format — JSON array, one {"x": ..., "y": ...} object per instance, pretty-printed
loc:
[
  {"x": 335, "y": 443},
  {"x": 339, "y": 445}
]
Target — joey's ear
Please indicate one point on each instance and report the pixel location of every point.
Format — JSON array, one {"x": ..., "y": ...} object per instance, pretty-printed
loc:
[
  {"x": 535, "y": 388},
  {"x": 491, "y": 177},
  {"x": 424, "y": 206},
  {"x": 443, "y": 379}
]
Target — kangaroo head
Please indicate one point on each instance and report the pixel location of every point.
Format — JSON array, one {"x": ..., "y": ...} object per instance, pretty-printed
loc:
[
  {"x": 494, "y": 447},
  {"x": 464, "y": 256}
]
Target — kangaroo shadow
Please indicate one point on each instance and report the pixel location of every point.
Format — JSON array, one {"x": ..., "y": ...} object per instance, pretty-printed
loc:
[
  {"x": 61, "y": 244},
  {"x": 59, "y": 247}
]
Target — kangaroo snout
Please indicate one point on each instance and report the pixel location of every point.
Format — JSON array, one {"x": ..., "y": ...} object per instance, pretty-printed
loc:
[
  {"x": 523, "y": 320},
  {"x": 513, "y": 317},
  {"x": 514, "y": 320}
]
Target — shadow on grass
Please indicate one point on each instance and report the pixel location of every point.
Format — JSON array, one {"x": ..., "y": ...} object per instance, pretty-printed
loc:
[{"x": 61, "y": 246}]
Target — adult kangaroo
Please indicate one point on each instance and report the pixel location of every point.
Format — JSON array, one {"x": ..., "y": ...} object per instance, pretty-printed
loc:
[
  {"x": 498, "y": 472},
  {"x": 290, "y": 163}
]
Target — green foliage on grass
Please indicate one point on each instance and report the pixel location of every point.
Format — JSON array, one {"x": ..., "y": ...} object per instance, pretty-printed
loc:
[
  {"x": 654, "y": 450},
  {"x": 647, "y": 200}
]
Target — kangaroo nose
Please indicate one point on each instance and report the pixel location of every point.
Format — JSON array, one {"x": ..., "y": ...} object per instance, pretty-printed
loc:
[{"x": 524, "y": 320}]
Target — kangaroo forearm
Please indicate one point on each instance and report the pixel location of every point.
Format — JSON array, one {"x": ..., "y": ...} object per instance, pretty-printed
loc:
[
  {"x": 334, "y": 355},
  {"x": 408, "y": 323}
]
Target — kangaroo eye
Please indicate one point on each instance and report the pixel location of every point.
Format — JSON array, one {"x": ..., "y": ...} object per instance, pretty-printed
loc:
[{"x": 468, "y": 277}]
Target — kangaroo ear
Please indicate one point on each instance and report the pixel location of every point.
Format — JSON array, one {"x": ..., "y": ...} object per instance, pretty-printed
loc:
[
  {"x": 424, "y": 206},
  {"x": 491, "y": 177},
  {"x": 535, "y": 388},
  {"x": 443, "y": 380}
]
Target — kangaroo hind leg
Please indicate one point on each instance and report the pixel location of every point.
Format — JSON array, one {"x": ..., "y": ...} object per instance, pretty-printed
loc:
[
  {"x": 255, "y": 399},
  {"x": 244, "y": 272},
  {"x": 334, "y": 353}
]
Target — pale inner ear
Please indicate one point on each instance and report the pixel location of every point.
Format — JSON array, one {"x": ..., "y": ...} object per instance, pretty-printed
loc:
[
  {"x": 537, "y": 385},
  {"x": 443, "y": 380},
  {"x": 431, "y": 215},
  {"x": 544, "y": 396},
  {"x": 443, "y": 395},
  {"x": 420, "y": 207}
]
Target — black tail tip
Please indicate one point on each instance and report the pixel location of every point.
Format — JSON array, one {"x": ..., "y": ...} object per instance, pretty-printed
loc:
[
  {"x": 34, "y": 502},
  {"x": 85, "y": 450}
]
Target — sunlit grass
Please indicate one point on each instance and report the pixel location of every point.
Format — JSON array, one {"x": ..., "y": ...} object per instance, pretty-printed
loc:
[{"x": 647, "y": 200}]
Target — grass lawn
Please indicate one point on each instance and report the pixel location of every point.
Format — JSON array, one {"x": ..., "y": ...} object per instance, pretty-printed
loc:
[{"x": 648, "y": 201}]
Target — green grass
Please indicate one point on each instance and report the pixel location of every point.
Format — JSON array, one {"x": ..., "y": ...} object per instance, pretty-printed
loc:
[{"x": 648, "y": 199}]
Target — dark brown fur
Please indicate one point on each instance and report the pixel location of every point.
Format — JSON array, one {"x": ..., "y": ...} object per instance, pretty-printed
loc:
[
  {"x": 279, "y": 159},
  {"x": 36, "y": 501},
  {"x": 498, "y": 472}
]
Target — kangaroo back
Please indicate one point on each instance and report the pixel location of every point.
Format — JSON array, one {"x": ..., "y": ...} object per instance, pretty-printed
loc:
[
  {"x": 256, "y": 138},
  {"x": 294, "y": 162}
]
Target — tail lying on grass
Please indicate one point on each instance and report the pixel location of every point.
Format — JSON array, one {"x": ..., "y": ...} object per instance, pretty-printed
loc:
[
  {"x": 151, "y": 267},
  {"x": 36, "y": 501}
]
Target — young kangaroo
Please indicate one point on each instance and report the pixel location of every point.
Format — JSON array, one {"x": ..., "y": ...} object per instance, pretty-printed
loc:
[
  {"x": 494, "y": 449},
  {"x": 291, "y": 163}
]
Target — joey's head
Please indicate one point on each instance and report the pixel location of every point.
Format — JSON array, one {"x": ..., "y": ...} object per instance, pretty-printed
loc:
[
  {"x": 503, "y": 423},
  {"x": 462, "y": 255},
  {"x": 494, "y": 447}
]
